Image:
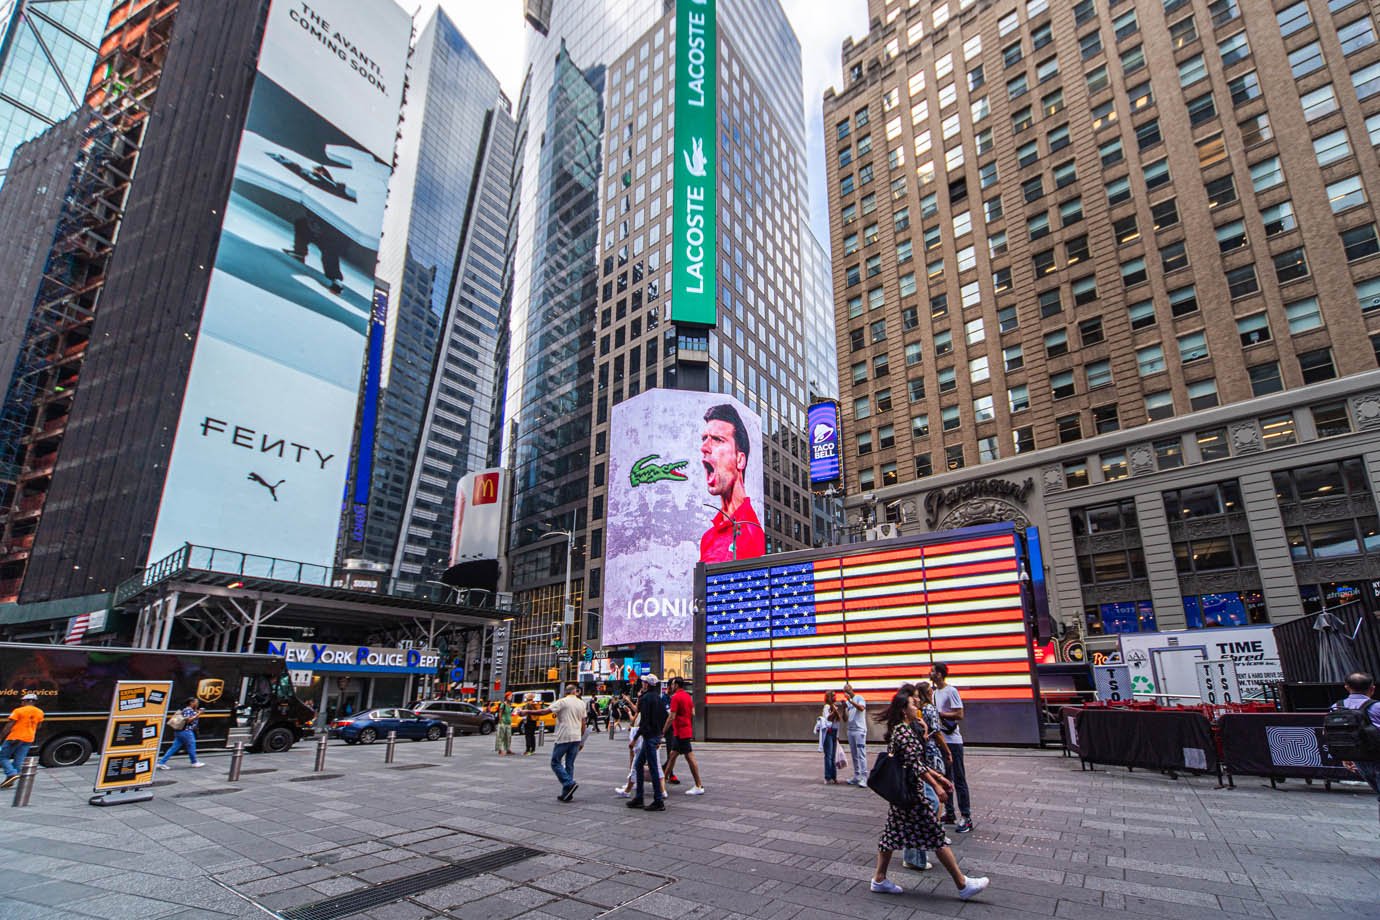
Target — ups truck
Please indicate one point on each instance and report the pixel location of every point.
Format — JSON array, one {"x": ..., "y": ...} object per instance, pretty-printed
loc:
[{"x": 243, "y": 697}]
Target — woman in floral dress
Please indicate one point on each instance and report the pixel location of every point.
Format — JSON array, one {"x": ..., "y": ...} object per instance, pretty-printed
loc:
[{"x": 917, "y": 826}]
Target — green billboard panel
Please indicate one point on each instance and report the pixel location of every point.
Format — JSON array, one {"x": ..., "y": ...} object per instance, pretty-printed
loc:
[{"x": 693, "y": 296}]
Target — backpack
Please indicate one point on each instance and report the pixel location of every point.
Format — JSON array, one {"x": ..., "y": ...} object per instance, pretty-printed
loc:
[
  {"x": 1350, "y": 734},
  {"x": 177, "y": 721}
]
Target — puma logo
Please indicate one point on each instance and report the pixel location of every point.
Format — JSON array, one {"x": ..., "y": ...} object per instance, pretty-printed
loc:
[{"x": 272, "y": 489}]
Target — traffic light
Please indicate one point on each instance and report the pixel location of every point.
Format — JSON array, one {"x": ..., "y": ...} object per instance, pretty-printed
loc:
[{"x": 556, "y": 632}]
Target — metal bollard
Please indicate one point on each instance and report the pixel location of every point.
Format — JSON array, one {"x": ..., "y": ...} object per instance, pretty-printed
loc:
[
  {"x": 25, "y": 787},
  {"x": 613, "y": 730},
  {"x": 320, "y": 755},
  {"x": 389, "y": 747},
  {"x": 236, "y": 761},
  {"x": 541, "y": 735},
  {"x": 450, "y": 740}
]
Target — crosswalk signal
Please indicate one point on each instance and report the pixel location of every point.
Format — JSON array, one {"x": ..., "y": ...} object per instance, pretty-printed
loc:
[{"x": 556, "y": 635}]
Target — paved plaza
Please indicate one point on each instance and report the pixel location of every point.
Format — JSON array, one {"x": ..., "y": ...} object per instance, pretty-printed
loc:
[{"x": 478, "y": 836}]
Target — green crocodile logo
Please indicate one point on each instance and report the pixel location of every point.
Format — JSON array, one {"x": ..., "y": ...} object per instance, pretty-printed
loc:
[{"x": 645, "y": 471}]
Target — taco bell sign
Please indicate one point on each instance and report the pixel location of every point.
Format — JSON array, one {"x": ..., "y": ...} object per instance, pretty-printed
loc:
[{"x": 823, "y": 419}]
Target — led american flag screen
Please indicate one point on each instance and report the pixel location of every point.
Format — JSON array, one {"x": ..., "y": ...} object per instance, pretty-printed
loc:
[{"x": 786, "y": 633}]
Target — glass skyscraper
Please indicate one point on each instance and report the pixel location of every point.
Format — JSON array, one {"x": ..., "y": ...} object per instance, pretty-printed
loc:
[
  {"x": 437, "y": 374},
  {"x": 592, "y": 271},
  {"x": 46, "y": 53}
]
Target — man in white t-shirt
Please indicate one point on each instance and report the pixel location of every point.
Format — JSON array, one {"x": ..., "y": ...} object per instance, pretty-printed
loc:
[
  {"x": 856, "y": 708},
  {"x": 570, "y": 713},
  {"x": 950, "y": 706}
]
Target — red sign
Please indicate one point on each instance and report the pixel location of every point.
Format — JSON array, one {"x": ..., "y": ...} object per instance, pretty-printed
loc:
[{"x": 486, "y": 488}]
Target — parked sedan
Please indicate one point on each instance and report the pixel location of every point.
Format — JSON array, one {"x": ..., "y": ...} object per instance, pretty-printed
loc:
[
  {"x": 466, "y": 717},
  {"x": 368, "y": 727}
]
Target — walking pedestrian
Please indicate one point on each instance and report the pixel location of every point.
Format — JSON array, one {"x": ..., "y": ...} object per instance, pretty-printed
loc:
[
  {"x": 571, "y": 719},
  {"x": 678, "y": 741},
  {"x": 950, "y": 706},
  {"x": 1361, "y": 689},
  {"x": 18, "y": 731},
  {"x": 855, "y": 707},
  {"x": 184, "y": 723},
  {"x": 936, "y": 754},
  {"x": 503, "y": 735},
  {"x": 652, "y": 713},
  {"x": 592, "y": 714},
  {"x": 918, "y": 825},
  {"x": 827, "y": 727},
  {"x": 529, "y": 725}
]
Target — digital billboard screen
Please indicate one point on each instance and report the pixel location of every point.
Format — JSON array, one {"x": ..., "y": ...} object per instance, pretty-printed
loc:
[
  {"x": 685, "y": 486},
  {"x": 825, "y": 462},
  {"x": 263, "y": 439},
  {"x": 877, "y": 618}
]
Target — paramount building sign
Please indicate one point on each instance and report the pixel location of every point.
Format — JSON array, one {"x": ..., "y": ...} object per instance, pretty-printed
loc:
[{"x": 694, "y": 298}]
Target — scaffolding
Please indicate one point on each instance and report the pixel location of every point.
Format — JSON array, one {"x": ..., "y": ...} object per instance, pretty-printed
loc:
[{"x": 39, "y": 398}]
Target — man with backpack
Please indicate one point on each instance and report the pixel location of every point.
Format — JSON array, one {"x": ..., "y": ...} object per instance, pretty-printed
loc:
[{"x": 1351, "y": 730}]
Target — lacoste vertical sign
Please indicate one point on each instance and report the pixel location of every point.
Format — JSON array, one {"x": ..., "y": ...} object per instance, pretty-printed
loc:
[{"x": 693, "y": 298}]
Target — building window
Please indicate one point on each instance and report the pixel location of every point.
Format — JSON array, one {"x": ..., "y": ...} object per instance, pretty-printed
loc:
[
  {"x": 1331, "y": 419},
  {"x": 1070, "y": 428},
  {"x": 1331, "y": 147},
  {"x": 1303, "y": 315},
  {"x": 1075, "y": 473},
  {"x": 1090, "y": 331},
  {"x": 1346, "y": 193},
  {"x": 1142, "y": 314},
  {"x": 1057, "y": 343},
  {"x": 1360, "y": 242},
  {"x": 1266, "y": 174},
  {"x": 1316, "y": 365},
  {"x": 1192, "y": 347},
  {"x": 1174, "y": 257},
  {"x": 1202, "y": 394},
  {"x": 1061, "y": 385},
  {"x": 924, "y": 466},
  {"x": 1114, "y": 466},
  {"x": 1105, "y": 419},
  {"x": 1133, "y": 272},
  {"x": 1023, "y": 439},
  {"x": 1164, "y": 214},
  {"x": 1291, "y": 265},
  {"x": 953, "y": 457},
  {"x": 1169, "y": 454},
  {"x": 1018, "y": 397},
  {"x": 1265, "y": 378},
  {"x": 1255, "y": 130},
  {"x": 1278, "y": 218},
  {"x": 1213, "y": 444},
  {"x": 1159, "y": 405},
  {"x": 1305, "y": 60},
  {"x": 1150, "y": 360},
  {"x": 1336, "y": 502},
  {"x": 1356, "y": 35},
  {"x": 863, "y": 442},
  {"x": 1278, "y": 430},
  {"x": 1242, "y": 281},
  {"x": 1084, "y": 290}
]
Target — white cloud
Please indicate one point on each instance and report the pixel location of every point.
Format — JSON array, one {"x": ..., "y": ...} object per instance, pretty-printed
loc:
[
  {"x": 496, "y": 30},
  {"x": 821, "y": 29}
]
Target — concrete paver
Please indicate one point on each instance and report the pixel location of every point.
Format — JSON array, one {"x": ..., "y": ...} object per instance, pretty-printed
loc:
[{"x": 769, "y": 841}]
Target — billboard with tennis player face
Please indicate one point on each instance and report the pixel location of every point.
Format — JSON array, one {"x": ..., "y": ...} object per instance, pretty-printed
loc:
[{"x": 685, "y": 486}]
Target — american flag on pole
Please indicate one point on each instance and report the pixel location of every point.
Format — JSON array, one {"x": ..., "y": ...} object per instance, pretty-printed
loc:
[{"x": 787, "y": 633}]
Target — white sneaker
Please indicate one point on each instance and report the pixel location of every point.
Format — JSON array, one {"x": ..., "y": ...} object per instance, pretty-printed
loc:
[
  {"x": 886, "y": 886},
  {"x": 199, "y": 763},
  {"x": 975, "y": 887},
  {"x": 698, "y": 790},
  {"x": 948, "y": 841},
  {"x": 163, "y": 766},
  {"x": 621, "y": 792}
]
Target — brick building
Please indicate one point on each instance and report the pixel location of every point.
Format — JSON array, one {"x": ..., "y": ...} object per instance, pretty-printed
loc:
[{"x": 1110, "y": 270}]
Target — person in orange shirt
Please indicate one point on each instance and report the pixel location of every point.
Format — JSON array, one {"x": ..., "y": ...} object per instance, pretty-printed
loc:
[{"x": 22, "y": 725}]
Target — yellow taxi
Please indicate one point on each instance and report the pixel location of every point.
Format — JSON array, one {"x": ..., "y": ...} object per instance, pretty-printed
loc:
[{"x": 538, "y": 699}]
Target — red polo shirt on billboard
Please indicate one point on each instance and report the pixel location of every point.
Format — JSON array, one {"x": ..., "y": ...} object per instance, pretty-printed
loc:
[{"x": 717, "y": 542}]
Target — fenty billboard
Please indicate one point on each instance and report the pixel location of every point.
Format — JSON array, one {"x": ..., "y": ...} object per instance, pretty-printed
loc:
[
  {"x": 260, "y": 454},
  {"x": 685, "y": 486}
]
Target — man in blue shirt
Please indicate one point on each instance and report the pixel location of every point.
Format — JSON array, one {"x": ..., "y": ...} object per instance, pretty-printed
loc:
[{"x": 1361, "y": 687}]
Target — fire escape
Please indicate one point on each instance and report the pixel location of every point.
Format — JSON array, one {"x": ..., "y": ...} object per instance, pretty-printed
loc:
[{"x": 39, "y": 399}]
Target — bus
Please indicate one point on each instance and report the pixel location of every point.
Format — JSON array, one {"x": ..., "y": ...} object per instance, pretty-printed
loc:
[{"x": 243, "y": 697}]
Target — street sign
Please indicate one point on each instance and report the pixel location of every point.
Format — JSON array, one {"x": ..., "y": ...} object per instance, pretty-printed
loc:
[
  {"x": 1217, "y": 681},
  {"x": 563, "y": 656},
  {"x": 137, "y": 712},
  {"x": 1113, "y": 682}
]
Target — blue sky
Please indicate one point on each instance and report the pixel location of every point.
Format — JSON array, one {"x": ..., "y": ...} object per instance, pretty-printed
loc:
[{"x": 496, "y": 31}]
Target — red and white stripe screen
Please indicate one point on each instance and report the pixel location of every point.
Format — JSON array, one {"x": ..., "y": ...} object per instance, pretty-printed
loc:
[{"x": 787, "y": 633}]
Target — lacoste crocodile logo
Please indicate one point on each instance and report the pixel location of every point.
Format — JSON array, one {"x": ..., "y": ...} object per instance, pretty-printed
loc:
[
  {"x": 695, "y": 160},
  {"x": 644, "y": 471},
  {"x": 272, "y": 489}
]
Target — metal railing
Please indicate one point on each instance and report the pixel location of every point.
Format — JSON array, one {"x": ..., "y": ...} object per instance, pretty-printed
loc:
[{"x": 193, "y": 558}]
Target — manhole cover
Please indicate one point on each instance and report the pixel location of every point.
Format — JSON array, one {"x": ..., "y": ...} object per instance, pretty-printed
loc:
[
  {"x": 203, "y": 792},
  {"x": 415, "y": 766},
  {"x": 313, "y": 776},
  {"x": 357, "y": 901}
]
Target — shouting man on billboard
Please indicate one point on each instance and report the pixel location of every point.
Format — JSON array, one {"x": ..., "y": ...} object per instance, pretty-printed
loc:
[{"x": 735, "y": 532}]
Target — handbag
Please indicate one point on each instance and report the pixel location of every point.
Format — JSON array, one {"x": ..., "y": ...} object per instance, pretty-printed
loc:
[{"x": 893, "y": 780}]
